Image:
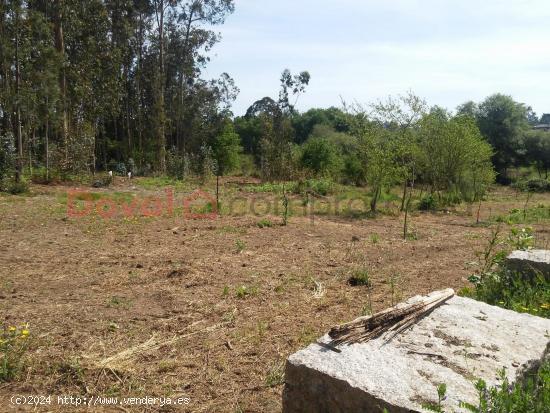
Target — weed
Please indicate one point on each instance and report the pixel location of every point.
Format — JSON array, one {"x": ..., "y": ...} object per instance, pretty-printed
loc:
[
  {"x": 264, "y": 223},
  {"x": 15, "y": 188},
  {"x": 13, "y": 346},
  {"x": 166, "y": 366},
  {"x": 524, "y": 293},
  {"x": 359, "y": 277},
  {"x": 412, "y": 234},
  {"x": 230, "y": 316},
  {"x": 275, "y": 375},
  {"x": 441, "y": 395},
  {"x": 262, "y": 328},
  {"x": 539, "y": 213},
  {"x": 375, "y": 239},
  {"x": 318, "y": 288},
  {"x": 527, "y": 396},
  {"x": 366, "y": 310},
  {"x": 394, "y": 282},
  {"x": 243, "y": 291},
  {"x": 225, "y": 292},
  {"x": 307, "y": 336},
  {"x": 240, "y": 245},
  {"x": 119, "y": 302},
  {"x": 113, "y": 327},
  {"x": 521, "y": 238}
]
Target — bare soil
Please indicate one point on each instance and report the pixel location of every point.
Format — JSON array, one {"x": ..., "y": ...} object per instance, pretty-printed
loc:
[{"x": 205, "y": 308}]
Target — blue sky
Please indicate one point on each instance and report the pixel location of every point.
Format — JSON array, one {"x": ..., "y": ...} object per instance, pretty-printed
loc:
[{"x": 447, "y": 51}]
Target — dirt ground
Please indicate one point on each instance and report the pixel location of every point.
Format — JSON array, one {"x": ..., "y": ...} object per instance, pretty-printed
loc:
[{"x": 206, "y": 309}]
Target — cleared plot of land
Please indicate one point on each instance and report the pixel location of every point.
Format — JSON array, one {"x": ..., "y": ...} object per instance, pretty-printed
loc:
[{"x": 207, "y": 309}]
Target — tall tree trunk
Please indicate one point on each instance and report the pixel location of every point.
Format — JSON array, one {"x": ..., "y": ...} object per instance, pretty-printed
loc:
[
  {"x": 47, "y": 144},
  {"x": 161, "y": 138},
  {"x": 60, "y": 47},
  {"x": 138, "y": 90},
  {"x": 18, "y": 132}
]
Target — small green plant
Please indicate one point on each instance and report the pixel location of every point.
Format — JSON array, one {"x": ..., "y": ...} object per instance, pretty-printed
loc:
[
  {"x": 441, "y": 395},
  {"x": 240, "y": 245},
  {"x": 533, "y": 215},
  {"x": 112, "y": 327},
  {"x": 243, "y": 291},
  {"x": 411, "y": 234},
  {"x": 374, "y": 239},
  {"x": 498, "y": 285},
  {"x": 359, "y": 277},
  {"x": 527, "y": 396},
  {"x": 275, "y": 375},
  {"x": 119, "y": 302},
  {"x": 13, "y": 346},
  {"x": 265, "y": 223},
  {"x": 225, "y": 291},
  {"x": 521, "y": 238}
]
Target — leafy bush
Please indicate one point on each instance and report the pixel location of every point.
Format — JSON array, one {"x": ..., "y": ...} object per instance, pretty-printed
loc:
[
  {"x": 103, "y": 182},
  {"x": 523, "y": 293},
  {"x": 498, "y": 285},
  {"x": 530, "y": 396},
  {"x": 353, "y": 171},
  {"x": 14, "y": 188},
  {"x": 177, "y": 166},
  {"x": 538, "y": 185},
  {"x": 428, "y": 203},
  {"x": 533, "y": 185},
  {"x": 321, "y": 157}
]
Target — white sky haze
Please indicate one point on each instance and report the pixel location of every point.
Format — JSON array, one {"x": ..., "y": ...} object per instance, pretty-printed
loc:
[{"x": 446, "y": 51}]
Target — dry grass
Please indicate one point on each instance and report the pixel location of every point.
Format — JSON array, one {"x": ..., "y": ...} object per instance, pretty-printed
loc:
[{"x": 136, "y": 307}]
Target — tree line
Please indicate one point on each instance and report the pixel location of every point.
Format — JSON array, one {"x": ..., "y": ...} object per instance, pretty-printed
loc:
[
  {"x": 118, "y": 85},
  {"x": 84, "y": 84}
]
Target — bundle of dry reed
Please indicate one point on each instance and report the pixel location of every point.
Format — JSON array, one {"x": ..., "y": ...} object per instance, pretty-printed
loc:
[{"x": 389, "y": 322}]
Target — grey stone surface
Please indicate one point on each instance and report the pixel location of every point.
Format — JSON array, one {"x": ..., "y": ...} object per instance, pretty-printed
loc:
[
  {"x": 457, "y": 343},
  {"x": 530, "y": 261}
]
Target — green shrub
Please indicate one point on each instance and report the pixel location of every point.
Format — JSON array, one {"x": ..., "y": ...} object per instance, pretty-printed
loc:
[
  {"x": 428, "y": 203},
  {"x": 353, "y": 171},
  {"x": 524, "y": 293},
  {"x": 321, "y": 157},
  {"x": 533, "y": 185},
  {"x": 531, "y": 395},
  {"x": 15, "y": 188}
]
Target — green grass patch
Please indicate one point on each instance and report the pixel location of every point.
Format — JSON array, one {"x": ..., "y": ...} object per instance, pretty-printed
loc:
[
  {"x": 524, "y": 293},
  {"x": 537, "y": 214}
]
